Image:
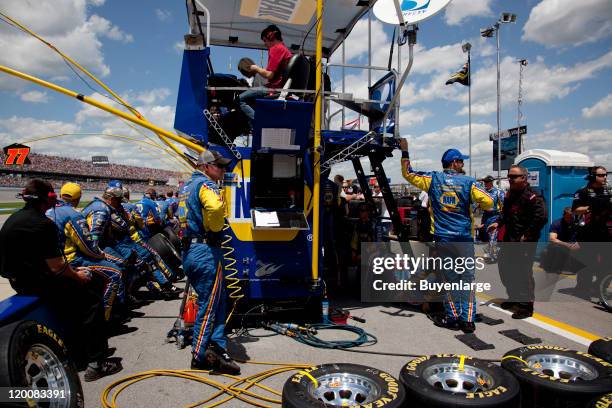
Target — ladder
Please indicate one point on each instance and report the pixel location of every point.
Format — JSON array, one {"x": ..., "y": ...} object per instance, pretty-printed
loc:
[{"x": 217, "y": 127}]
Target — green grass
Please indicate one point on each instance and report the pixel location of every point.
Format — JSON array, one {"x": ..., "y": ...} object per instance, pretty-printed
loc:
[{"x": 17, "y": 205}]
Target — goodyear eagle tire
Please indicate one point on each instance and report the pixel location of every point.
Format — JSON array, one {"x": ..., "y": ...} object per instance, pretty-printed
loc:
[
  {"x": 166, "y": 250},
  {"x": 602, "y": 348},
  {"x": 552, "y": 376},
  {"x": 33, "y": 356},
  {"x": 335, "y": 385},
  {"x": 169, "y": 233},
  {"x": 605, "y": 401},
  {"x": 438, "y": 382}
]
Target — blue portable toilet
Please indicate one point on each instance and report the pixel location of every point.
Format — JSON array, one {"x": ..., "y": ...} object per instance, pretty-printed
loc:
[{"x": 556, "y": 175}]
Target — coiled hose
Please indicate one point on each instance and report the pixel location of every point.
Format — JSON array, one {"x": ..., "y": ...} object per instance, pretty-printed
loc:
[
  {"x": 310, "y": 338},
  {"x": 231, "y": 272}
]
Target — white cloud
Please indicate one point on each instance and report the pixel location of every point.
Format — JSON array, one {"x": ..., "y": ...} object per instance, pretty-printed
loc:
[
  {"x": 179, "y": 46},
  {"x": 17, "y": 129},
  {"x": 163, "y": 15},
  {"x": 356, "y": 44},
  {"x": 459, "y": 10},
  {"x": 555, "y": 23},
  {"x": 601, "y": 108},
  {"x": 64, "y": 23},
  {"x": 34, "y": 97},
  {"x": 541, "y": 83},
  {"x": 410, "y": 117},
  {"x": 153, "y": 96}
]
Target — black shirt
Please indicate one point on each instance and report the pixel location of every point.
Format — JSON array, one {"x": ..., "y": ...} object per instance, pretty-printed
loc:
[
  {"x": 565, "y": 232},
  {"x": 524, "y": 214},
  {"x": 598, "y": 220},
  {"x": 27, "y": 239}
]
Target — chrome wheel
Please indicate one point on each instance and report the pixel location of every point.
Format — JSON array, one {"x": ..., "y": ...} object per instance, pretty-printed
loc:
[
  {"x": 45, "y": 371},
  {"x": 344, "y": 389},
  {"x": 449, "y": 377},
  {"x": 562, "y": 367}
]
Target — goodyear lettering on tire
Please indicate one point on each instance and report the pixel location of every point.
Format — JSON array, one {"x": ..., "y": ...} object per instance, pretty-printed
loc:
[
  {"x": 604, "y": 402},
  {"x": 42, "y": 329},
  {"x": 486, "y": 394}
]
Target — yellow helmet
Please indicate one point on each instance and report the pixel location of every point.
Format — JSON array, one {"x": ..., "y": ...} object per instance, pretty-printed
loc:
[{"x": 70, "y": 192}]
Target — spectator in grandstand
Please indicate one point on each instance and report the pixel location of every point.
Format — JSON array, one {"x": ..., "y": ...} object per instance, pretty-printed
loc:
[
  {"x": 278, "y": 58},
  {"x": 32, "y": 260}
]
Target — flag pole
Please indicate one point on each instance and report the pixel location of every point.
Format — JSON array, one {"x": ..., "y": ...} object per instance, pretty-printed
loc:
[{"x": 470, "y": 109}]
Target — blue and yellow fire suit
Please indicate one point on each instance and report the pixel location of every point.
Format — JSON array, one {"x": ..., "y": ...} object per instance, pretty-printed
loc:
[
  {"x": 149, "y": 212},
  {"x": 165, "y": 212},
  {"x": 490, "y": 216},
  {"x": 79, "y": 250},
  {"x": 140, "y": 234},
  {"x": 451, "y": 195},
  {"x": 201, "y": 214},
  {"x": 110, "y": 227}
]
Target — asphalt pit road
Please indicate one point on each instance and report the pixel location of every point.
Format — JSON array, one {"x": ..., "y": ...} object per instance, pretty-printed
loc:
[
  {"x": 329, "y": 395},
  {"x": 438, "y": 384},
  {"x": 452, "y": 383}
]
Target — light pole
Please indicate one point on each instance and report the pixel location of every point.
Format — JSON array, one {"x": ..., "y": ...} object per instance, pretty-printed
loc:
[
  {"x": 466, "y": 48},
  {"x": 505, "y": 18},
  {"x": 519, "y": 138}
]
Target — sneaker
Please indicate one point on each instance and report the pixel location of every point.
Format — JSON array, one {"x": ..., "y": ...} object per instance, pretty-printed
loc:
[
  {"x": 221, "y": 360},
  {"x": 467, "y": 327},
  {"x": 523, "y": 311},
  {"x": 201, "y": 365},
  {"x": 446, "y": 323},
  {"x": 102, "y": 369}
]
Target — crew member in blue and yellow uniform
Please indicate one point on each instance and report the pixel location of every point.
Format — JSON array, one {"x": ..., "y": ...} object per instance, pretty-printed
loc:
[
  {"x": 77, "y": 244},
  {"x": 109, "y": 226},
  {"x": 451, "y": 195},
  {"x": 140, "y": 234},
  {"x": 149, "y": 211},
  {"x": 202, "y": 217}
]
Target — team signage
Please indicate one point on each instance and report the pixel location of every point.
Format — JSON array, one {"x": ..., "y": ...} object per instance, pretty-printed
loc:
[
  {"x": 16, "y": 155},
  {"x": 282, "y": 11},
  {"x": 413, "y": 11},
  {"x": 508, "y": 133}
]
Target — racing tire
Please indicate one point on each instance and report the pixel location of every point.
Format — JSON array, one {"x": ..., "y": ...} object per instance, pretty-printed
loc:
[
  {"x": 552, "y": 376},
  {"x": 605, "y": 401},
  {"x": 33, "y": 356},
  {"x": 602, "y": 348},
  {"x": 437, "y": 382},
  {"x": 605, "y": 292},
  {"x": 169, "y": 233},
  {"x": 342, "y": 384},
  {"x": 166, "y": 250}
]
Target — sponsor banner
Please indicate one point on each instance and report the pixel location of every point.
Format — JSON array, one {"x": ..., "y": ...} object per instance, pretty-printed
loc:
[
  {"x": 298, "y": 12},
  {"x": 431, "y": 272}
]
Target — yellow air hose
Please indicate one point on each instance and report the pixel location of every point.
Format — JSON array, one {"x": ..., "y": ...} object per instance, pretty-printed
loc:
[
  {"x": 233, "y": 390},
  {"x": 231, "y": 277}
]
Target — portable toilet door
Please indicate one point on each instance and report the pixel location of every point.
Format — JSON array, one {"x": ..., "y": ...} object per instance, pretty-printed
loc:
[{"x": 557, "y": 176}]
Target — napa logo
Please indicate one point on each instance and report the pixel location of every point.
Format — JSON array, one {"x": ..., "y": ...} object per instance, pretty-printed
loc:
[
  {"x": 449, "y": 201},
  {"x": 415, "y": 5}
]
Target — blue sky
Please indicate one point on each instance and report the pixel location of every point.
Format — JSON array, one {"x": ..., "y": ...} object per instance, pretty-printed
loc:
[{"x": 134, "y": 46}]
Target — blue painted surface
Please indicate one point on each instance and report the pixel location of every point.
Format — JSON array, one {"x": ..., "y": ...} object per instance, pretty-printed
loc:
[
  {"x": 557, "y": 184},
  {"x": 192, "y": 96}
]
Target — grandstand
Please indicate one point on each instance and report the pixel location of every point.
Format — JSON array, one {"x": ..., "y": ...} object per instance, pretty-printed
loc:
[{"x": 59, "y": 170}]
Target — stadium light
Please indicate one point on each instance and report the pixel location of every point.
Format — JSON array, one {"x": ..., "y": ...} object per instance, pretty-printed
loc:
[{"x": 505, "y": 18}]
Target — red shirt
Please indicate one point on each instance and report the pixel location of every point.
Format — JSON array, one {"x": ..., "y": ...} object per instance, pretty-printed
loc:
[{"x": 278, "y": 57}]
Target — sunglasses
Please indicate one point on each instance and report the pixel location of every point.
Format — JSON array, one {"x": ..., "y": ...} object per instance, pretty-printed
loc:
[
  {"x": 514, "y": 176},
  {"x": 601, "y": 175}
]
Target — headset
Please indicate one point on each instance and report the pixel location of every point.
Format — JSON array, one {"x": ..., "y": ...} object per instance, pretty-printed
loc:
[
  {"x": 592, "y": 173},
  {"x": 33, "y": 193},
  {"x": 271, "y": 33}
]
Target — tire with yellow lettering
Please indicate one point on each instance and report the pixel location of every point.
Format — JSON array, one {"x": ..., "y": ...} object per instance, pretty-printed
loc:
[
  {"x": 335, "y": 385},
  {"x": 34, "y": 356},
  {"x": 605, "y": 401},
  {"x": 449, "y": 380},
  {"x": 553, "y": 376},
  {"x": 602, "y": 348}
]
